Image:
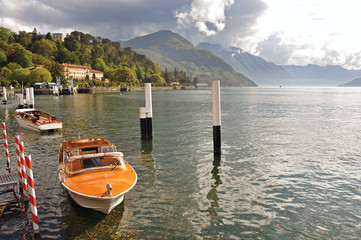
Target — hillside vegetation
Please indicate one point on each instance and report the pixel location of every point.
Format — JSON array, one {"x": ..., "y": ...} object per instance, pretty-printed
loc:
[
  {"x": 174, "y": 49},
  {"x": 19, "y": 51}
]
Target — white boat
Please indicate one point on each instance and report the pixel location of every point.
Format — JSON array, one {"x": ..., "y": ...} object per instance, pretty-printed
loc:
[
  {"x": 37, "y": 120},
  {"x": 94, "y": 174}
]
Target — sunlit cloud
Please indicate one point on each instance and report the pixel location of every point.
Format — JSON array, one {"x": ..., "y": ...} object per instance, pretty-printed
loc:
[{"x": 207, "y": 16}]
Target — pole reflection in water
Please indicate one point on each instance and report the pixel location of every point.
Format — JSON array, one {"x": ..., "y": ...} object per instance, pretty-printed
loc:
[
  {"x": 147, "y": 149},
  {"x": 212, "y": 194}
]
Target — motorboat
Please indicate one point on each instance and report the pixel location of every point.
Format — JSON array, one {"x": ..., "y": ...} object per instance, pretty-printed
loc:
[
  {"x": 37, "y": 120},
  {"x": 94, "y": 174}
]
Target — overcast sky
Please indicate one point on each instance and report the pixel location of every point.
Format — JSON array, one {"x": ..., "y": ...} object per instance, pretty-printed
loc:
[{"x": 297, "y": 32}]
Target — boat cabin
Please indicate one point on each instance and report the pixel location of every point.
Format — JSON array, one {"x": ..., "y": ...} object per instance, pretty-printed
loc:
[{"x": 81, "y": 155}]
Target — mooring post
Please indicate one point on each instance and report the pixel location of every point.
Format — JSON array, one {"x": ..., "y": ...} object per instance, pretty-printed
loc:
[
  {"x": 143, "y": 123},
  {"x": 6, "y": 146},
  {"x": 20, "y": 101},
  {"x": 216, "y": 105},
  {"x": 27, "y": 97},
  {"x": 23, "y": 171},
  {"x": 5, "y": 97},
  {"x": 17, "y": 141},
  {"x": 148, "y": 104},
  {"x": 31, "y": 189},
  {"x": 31, "y": 103}
]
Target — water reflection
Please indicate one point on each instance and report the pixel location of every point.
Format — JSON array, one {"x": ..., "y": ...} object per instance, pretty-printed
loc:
[
  {"x": 147, "y": 149},
  {"x": 90, "y": 224},
  {"x": 212, "y": 194}
]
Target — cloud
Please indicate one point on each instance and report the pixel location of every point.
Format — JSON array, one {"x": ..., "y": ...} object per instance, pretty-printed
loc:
[
  {"x": 117, "y": 20},
  {"x": 207, "y": 16},
  {"x": 274, "y": 49}
]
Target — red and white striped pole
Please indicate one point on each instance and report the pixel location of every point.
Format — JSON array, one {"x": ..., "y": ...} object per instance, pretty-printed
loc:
[
  {"x": 17, "y": 140},
  {"x": 6, "y": 147},
  {"x": 31, "y": 189},
  {"x": 23, "y": 170}
]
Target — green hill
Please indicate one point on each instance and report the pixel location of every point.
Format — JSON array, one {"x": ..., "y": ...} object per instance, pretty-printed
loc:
[{"x": 176, "y": 51}]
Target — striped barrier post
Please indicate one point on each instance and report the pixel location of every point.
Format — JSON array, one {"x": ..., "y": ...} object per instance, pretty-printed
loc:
[
  {"x": 17, "y": 140},
  {"x": 31, "y": 190},
  {"x": 23, "y": 170},
  {"x": 6, "y": 147}
]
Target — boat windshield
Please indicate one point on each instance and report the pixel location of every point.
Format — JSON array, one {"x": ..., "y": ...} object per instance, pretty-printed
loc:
[
  {"x": 91, "y": 162},
  {"x": 86, "y": 164},
  {"x": 108, "y": 149}
]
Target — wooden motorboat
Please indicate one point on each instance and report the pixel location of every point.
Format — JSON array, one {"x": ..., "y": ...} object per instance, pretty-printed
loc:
[
  {"x": 95, "y": 175},
  {"x": 37, "y": 120}
]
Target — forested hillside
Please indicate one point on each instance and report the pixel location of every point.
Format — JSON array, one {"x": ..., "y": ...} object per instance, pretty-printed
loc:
[{"x": 21, "y": 50}]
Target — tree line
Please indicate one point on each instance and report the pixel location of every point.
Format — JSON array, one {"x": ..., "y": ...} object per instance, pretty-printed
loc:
[{"x": 121, "y": 66}]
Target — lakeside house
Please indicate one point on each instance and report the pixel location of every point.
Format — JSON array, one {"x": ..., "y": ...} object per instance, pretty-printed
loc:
[{"x": 78, "y": 72}]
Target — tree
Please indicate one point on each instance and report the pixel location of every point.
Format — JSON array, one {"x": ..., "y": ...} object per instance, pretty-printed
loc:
[
  {"x": 74, "y": 46},
  {"x": 47, "y": 48},
  {"x": 13, "y": 66},
  {"x": 124, "y": 74},
  {"x": 5, "y": 34},
  {"x": 55, "y": 69},
  {"x": 35, "y": 36},
  {"x": 65, "y": 56},
  {"x": 39, "y": 75},
  {"x": 5, "y": 74},
  {"x": 140, "y": 73},
  {"x": 3, "y": 58},
  {"x": 155, "y": 78},
  {"x": 24, "y": 39},
  {"x": 39, "y": 59},
  {"x": 25, "y": 58},
  {"x": 100, "y": 65},
  {"x": 20, "y": 75},
  {"x": 49, "y": 36}
]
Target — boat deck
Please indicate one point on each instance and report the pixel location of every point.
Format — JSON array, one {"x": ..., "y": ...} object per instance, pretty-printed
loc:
[{"x": 93, "y": 183}]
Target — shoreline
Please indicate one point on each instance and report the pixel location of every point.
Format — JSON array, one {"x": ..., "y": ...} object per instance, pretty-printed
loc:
[{"x": 49, "y": 91}]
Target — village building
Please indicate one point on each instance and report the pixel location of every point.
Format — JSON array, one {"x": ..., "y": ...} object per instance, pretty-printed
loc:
[
  {"x": 57, "y": 36},
  {"x": 76, "y": 72},
  {"x": 73, "y": 71}
]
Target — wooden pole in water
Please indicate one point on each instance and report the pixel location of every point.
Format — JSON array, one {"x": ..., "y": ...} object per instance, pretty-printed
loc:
[
  {"x": 31, "y": 103},
  {"x": 149, "y": 114},
  {"x": 143, "y": 123},
  {"x": 216, "y": 105},
  {"x": 31, "y": 189},
  {"x": 6, "y": 147},
  {"x": 17, "y": 140}
]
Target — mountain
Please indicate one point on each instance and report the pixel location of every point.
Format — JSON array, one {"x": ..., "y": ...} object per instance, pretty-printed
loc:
[
  {"x": 354, "y": 83},
  {"x": 171, "y": 51},
  {"x": 321, "y": 76},
  {"x": 256, "y": 68}
]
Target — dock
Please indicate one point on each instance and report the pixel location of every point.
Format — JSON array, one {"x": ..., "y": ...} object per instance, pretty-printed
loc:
[{"x": 10, "y": 193}]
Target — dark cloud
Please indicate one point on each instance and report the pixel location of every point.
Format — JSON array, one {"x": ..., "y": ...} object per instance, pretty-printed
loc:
[
  {"x": 109, "y": 18},
  {"x": 125, "y": 19}
]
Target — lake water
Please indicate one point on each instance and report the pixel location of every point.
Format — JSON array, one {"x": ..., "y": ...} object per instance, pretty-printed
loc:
[{"x": 290, "y": 166}]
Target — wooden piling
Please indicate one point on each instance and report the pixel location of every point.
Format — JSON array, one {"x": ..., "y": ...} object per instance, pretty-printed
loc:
[{"x": 216, "y": 105}]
